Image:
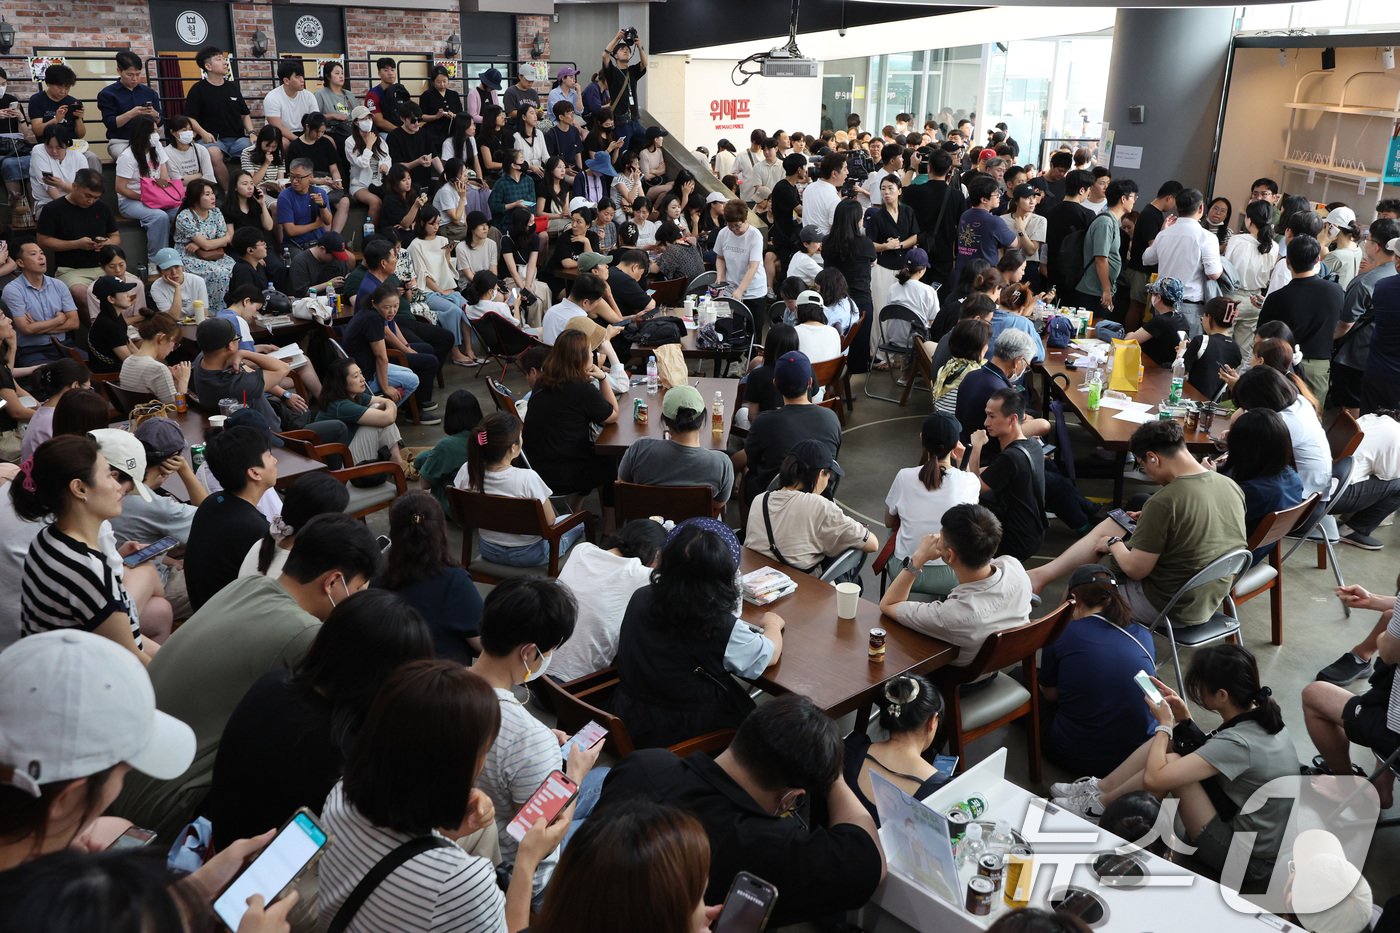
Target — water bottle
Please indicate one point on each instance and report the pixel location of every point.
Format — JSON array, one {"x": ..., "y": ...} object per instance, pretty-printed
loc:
[
  {"x": 717, "y": 414},
  {"x": 1095, "y": 392},
  {"x": 971, "y": 847},
  {"x": 1000, "y": 840},
  {"x": 1178, "y": 379},
  {"x": 368, "y": 233},
  {"x": 652, "y": 381},
  {"x": 287, "y": 257}
]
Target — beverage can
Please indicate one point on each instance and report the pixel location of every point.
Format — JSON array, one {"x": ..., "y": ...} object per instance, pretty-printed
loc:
[
  {"x": 182, "y": 404},
  {"x": 979, "y": 896},
  {"x": 989, "y": 867},
  {"x": 1017, "y": 875},
  {"x": 639, "y": 411},
  {"x": 196, "y": 456},
  {"x": 958, "y": 821},
  {"x": 877, "y": 644},
  {"x": 1193, "y": 415},
  {"x": 1206, "y": 417}
]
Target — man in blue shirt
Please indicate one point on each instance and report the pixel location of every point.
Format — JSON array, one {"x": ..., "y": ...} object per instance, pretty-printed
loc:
[
  {"x": 125, "y": 100},
  {"x": 303, "y": 210},
  {"x": 42, "y": 307},
  {"x": 982, "y": 234}
]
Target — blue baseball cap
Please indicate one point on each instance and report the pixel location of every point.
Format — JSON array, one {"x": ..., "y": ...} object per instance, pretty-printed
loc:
[{"x": 792, "y": 374}]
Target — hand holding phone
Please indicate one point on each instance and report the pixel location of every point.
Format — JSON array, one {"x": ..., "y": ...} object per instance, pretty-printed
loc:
[
  {"x": 297, "y": 844},
  {"x": 546, "y": 803},
  {"x": 1148, "y": 688},
  {"x": 1124, "y": 521},
  {"x": 585, "y": 738},
  {"x": 150, "y": 551},
  {"x": 747, "y": 907}
]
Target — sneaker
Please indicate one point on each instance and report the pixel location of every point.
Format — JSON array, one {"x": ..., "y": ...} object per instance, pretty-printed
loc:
[
  {"x": 426, "y": 420},
  {"x": 1365, "y": 542},
  {"x": 1345, "y": 669},
  {"x": 1075, "y": 788},
  {"x": 1088, "y": 806},
  {"x": 430, "y": 406}
]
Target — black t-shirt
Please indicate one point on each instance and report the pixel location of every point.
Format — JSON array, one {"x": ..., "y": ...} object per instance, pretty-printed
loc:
[
  {"x": 1149, "y": 224},
  {"x": 558, "y": 431},
  {"x": 322, "y": 154},
  {"x": 107, "y": 333},
  {"x": 1052, "y": 198},
  {"x": 365, "y": 329},
  {"x": 627, "y": 292},
  {"x": 393, "y": 210},
  {"x": 519, "y": 251},
  {"x": 624, "y": 100},
  {"x": 225, "y": 527},
  {"x": 785, "y": 200},
  {"x": 1017, "y": 478},
  {"x": 7, "y": 381},
  {"x": 775, "y": 433},
  {"x": 856, "y": 269},
  {"x": 430, "y": 101},
  {"x": 1166, "y": 337},
  {"x": 882, "y": 227},
  {"x": 10, "y": 124},
  {"x": 1309, "y": 306},
  {"x": 220, "y": 110},
  {"x": 820, "y": 870},
  {"x": 405, "y": 147},
  {"x": 43, "y": 107},
  {"x": 245, "y": 273},
  {"x": 761, "y": 391},
  {"x": 1065, "y": 218},
  {"x": 64, "y": 220},
  {"x": 282, "y": 728},
  {"x": 1204, "y": 357}
]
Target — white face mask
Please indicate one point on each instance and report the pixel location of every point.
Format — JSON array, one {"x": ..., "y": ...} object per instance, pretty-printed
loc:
[
  {"x": 155, "y": 139},
  {"x": 365, "y": 125},
  {"x": 185, "y": 136},
  {"x": 544, "y": 666},
  {"x": 3, "y": 88}
]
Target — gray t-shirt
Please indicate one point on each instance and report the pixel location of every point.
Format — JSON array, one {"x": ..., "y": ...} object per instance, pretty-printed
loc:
[
  {"x": 150, "y": 521},
  {"x": 656, "y": 462},
  {"x": 1247, "y": 758}
]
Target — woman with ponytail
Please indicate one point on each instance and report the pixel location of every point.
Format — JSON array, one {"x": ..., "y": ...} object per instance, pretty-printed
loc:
[
  {"x": 345, "y": 397},
  {"x": 1254, "y": 258},
  {"x": 51, "y": 381},
  {"x": 920, "y": 495},
  {"x": 1212, "y": 775},
  {"x": 491, "y": 449},
  {"x": 144, "y": 370},
  {"x": 1215, "y": 347},
  {"x": 910, "y": 710},
  {"x": 311, "y": 495}
]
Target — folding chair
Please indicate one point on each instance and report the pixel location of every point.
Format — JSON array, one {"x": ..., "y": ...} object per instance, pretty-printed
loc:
[
  {"x": 903, "y": 348},
  {"x": 701, "y": 282},
  {"x": 1220, "y": 625},
  {"x": 1314, "y": 529},
  {"x": 502, "y": 340}
]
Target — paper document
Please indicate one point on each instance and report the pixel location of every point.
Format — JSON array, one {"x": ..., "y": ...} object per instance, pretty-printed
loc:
[
  {"x": 292, "y": 354},
  {"x": 1123, "y": 404},
  {"x": 1136, "y": 416}
]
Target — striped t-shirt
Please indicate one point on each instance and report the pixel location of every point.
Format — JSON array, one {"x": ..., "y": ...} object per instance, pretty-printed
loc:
[
  {"x": 443, "y": 889},
  {"x": 67, "y": 584}
]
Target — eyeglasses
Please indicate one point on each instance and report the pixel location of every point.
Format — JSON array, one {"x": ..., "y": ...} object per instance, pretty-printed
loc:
[{"x": 300, "y": 177}]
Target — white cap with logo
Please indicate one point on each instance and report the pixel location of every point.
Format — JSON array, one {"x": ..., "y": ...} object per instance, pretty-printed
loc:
[
  {"x": 124, "y": 452},
  {"x": 73, "y": 704}
]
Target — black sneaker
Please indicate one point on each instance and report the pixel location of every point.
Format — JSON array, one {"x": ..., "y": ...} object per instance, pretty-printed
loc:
[
  {"x": 429, "y": 419},
  {"x": 1344, "y": 670},
  {"x": 1365, "y": 542},
  {"x": 430, "y": 406}
]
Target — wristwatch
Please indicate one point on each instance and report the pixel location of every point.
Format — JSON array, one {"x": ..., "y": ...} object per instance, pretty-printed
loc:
[{"x": 1113, "y": 539}]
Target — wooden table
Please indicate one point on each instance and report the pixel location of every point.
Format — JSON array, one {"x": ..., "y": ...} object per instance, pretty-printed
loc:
[
  {"x": 290, "y": 465},
  {"x": 281, "y": 332},
  {"x": 690, "y": 351},
  {"x": 826, "y": 658},
  {"x": 622, "y": 434},
  {"x": 1110, "y": 432}
]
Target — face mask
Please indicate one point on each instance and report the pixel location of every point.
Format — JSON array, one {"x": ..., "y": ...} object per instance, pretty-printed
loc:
[
  {"x": 185, "y": 136},
  {"x": 343, "y": 587},
  {"x": 155, "y": 139},
  {"x": 3, "y": 88},
  {"x": 365, "y": 125},
  {"x": 544, "y": 666}
]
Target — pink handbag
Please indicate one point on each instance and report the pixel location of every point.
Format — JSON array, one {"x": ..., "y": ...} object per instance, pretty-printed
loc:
[{"x": 162, "y": 198}]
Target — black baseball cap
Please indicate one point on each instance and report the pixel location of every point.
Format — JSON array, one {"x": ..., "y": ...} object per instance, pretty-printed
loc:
[
  {"x": 816, "y": 455},
  {"x": 214, "y": 333}
]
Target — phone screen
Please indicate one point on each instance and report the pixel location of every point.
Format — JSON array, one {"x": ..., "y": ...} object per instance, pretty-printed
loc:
[
  {"x": 133, "y": 838},
  {"x": 1124, "y": 522},
  {"x": 748, "y": 906},
  {"x": 149, "y": 551},
  {"x": 587, "y": 737},
  {"x": 1146, "y": 685},
  {"x": 546, "y": 803},
  {"x": 290, "y": 851}
]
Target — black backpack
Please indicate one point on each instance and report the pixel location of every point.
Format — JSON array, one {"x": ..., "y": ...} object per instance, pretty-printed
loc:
[{"x": 659, "y": 331}]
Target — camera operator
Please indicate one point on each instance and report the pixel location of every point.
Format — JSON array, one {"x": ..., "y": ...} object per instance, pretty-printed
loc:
[
  {"x": 820, "y": 198},
  {"x": 937, "y": 204},
  {"x": 622, "y": 77}
]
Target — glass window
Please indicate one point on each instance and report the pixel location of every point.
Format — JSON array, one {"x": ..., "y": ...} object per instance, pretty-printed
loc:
[{"x": 1376, "y": 12}]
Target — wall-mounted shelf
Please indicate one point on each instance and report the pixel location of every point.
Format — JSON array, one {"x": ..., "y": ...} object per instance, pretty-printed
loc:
[
  {"x": 1347, "y": 124},
  {"x": 1337, "y": 108},
  {"x": 1330, "y": 170}
]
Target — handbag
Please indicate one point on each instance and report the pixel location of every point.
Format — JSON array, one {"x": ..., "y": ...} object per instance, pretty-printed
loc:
[
  {"x": 147, "y": 410},
  {"x": 1127, "y": 363},
  {"x": 162, "y": 197}
]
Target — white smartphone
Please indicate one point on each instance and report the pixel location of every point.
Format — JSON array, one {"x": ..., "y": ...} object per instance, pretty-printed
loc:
[
  {"x": 587, "y": 737},
  {"x": 1148, "y": 688},
  {"x": 296, "y": 846}
]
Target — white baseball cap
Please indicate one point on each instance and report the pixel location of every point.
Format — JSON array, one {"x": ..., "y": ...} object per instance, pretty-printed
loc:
[
  {"x": 576, "y": 203},
  {"x": 1342, "y": 216},
  {"x": 809, "y": 296},
  {"x": 1329, "y": 894},
  {"x": 1393, "y": 246},
  {"x": 715, "y": 197},
  {"x": 73, "y": 704},
  {"x": 124, "y": 452}
]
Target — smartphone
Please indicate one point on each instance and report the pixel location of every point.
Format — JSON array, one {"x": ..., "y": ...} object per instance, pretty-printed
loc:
[
  {"x": 1148, "y": 688},
  {"x": 945, "y": 764},
  {"x": 296, "y": 845},
  {"x": 150, "y": 551},
  {"x": 134, "y": 838},
  {"x": 748, "y": 906},
  {"x": 383, "y": 543},
  {"x": 550, "y": 800},
  {"x": 1124, "y": 522},
  {"x": 587, "y": 737}
]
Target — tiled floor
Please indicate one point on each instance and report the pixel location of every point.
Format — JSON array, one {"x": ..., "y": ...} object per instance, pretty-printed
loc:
[{"x": 882, "y": 437}]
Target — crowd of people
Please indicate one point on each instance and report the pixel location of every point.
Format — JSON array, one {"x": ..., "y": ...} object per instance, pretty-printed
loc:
[{"x": 289, "y": 660}]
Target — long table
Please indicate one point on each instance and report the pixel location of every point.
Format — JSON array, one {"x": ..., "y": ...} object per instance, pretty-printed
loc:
[
  {"x": 1110, "y": 432},
  {"x": 825, "y": 658},
  {"x": 623, "y": 433},
  {"x": 690, "y": 351}
]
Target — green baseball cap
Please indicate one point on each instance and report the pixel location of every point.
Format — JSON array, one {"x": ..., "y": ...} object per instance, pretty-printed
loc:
[{"x": 678, "y": 397}]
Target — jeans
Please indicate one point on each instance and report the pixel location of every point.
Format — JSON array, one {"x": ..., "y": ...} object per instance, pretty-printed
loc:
[
  {"x": 231, "y": 146},
  {"x": 1192, "y": 313},
  {"x": 15, "y": 168},
  {"x": 451, "y": 312},
  {"x": 400, "y": 377},
  {"x": 156, "y": 223},
  {"x": 528, "y": 555},
  {"x": 1368, "y": 503},
  {"x": 589, "y": 793}
]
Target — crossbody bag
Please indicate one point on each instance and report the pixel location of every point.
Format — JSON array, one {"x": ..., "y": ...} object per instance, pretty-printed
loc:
[{"x": 381, "y": 870}]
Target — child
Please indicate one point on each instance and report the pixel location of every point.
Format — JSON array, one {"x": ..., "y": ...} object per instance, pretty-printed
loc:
[
  {"x": 1215, "y": 348},
  {"x": 491, "y": 448},
  {"x": 807, "y": 263},
  {"x": 646, "y": 227}
]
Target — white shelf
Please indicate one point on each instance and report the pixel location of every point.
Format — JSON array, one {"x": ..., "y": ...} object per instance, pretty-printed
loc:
[
  {"x": 1350, "y": 174},
  {"x": 1354, "y": 111}
]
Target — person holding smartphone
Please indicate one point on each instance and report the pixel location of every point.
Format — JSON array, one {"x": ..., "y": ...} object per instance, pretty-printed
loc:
[{"x": 126, "y": 99}]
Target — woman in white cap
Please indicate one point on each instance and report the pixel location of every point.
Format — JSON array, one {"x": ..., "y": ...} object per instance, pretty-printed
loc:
[
  {"x": 369, "y": 162},
  {"x": 1341, "y": 243}
]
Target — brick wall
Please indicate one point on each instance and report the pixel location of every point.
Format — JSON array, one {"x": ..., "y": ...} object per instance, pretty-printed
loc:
[
  {"x": 419, "y": 32},
  {"x": 526, "y": 28},
  {"x": 74, "y": 24}
]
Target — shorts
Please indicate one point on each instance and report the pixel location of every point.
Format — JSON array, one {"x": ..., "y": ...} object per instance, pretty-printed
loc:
[
  {"x": 70, "y": 276},
  {"x": 1365, "y": 725},
  {"x": 1143, "y": 610},
  {"x": 1137, "y": 284}
]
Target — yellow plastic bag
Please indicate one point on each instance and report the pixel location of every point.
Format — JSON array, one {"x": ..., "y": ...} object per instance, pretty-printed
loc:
[{"x": 1127, "y": 363}]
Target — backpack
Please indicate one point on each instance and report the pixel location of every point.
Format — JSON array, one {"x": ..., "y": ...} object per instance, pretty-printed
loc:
[
  {"x": 660, "y": 330},
  {"x": 1060, "y": 330}
]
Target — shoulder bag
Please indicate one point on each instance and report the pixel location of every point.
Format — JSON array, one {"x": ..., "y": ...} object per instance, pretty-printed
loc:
[{"x": 381, "y": 870}]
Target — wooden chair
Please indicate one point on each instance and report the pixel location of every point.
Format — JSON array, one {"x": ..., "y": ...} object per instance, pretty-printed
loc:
[
  {"x": 668, "y": 293},
  {"x": 923, "y": 366},
  {"x": 711, "y": 743},
  {"x": 847, "y": 339},
  {"x": 363, "y": 499},
  {"x": 502, "y": 396},
  {"x": 635, "y": 500},
  {"x": 884, "y": 556},
  {"x": 1004, "y": 700},
  {"x": 124, "y": 400},
  {"x": 578, "y": 702},
  {"x": 508, "y": 515},
  {"x": 826, "y": 375},
  {"x": 1267, "y": 575},
  {"x": 1344, "y": 436}
]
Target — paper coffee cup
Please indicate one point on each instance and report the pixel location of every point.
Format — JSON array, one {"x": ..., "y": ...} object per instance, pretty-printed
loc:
[
  {"x": 847, "y": 600},
  {"x": 217, "y": 421}
]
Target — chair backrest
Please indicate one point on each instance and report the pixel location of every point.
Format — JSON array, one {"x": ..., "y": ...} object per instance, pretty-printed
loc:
[
  {"x": 844, "y": 562},
  {"x": 502, "y": 396},
  {"x": 124, "y": 400},
  {"x": 1341, "y": 479},
  {"x": 1276, "y": 525},
  {"x": 635, "y": 500},
  {"x": 849, "y": 336},
  {"x": 711, "y": 743},
  {"x": 1227, "y": 566},
  {"x": 827, "y": 375},
  {"x": 1064, "y": 450},
  {"x": 505, "y": 514},
  {"x": 669, "y": 292},
  {"x": 918, "y": 329},
  {"x": 923, "y": 358},
  {"x": 572, "y": 709},
  {"x": 500, "y": 336},
  {"x": 1344, "y": 435},
  {"x": 1011, "y": 646},
  {"x": 701, "y": 282}
]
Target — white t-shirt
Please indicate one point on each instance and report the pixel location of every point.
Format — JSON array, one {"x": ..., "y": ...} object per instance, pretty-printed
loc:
[
  {"x": 1311, "y": 453},
  {"x": 193, "y": 161},
  {"x": 523, "y": 755},
  {"x": 805, "y": 267},
  {"x": 920, "y": 510},
  {"x": 646, "y": 233},
  {"x": 1253, "y": 266},
  {"x": 819, "y": 201},
  {"x": 482, "y": 308},
  {"x": 1378, "y": 457},
  {"x": 603, "y": 584},
  {"x": 556, "y": 318},
  {"x": 191, "y": 290},
  {"x": 126, "y": 162},
  {"x": 470, "y": 261},
  {"x": 820, "y": 342},
  {"x": 1097, "y": 208},
  {"x": 447, "y": 199},
  {"x": 738, "y": 252},
  {"x": 917, "y": 297},
  {"x": 249, "y": 567},
  {"x": 513, "y": 482},
  {"x": 289, "y": 109}
]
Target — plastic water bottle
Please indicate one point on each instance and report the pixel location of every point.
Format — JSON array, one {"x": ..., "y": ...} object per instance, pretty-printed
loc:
[
  {"x": 652, "y": 381},
  {"x": 1000, "y": 840},
  {"x": 717, "y": 414},
  {"x": 1178, "y": 379},
  {"x": 368, "y": 233},
  {"x": 971, "y": 848}
]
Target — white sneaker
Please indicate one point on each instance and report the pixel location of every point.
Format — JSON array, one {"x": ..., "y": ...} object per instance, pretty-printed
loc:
[
  {"x": 1087, "y": 806},
  {"x": 1076, "y": 788}
]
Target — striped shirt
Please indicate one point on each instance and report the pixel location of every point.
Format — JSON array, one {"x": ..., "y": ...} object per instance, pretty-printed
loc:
[
  {"x": 523, "y": 755},
  {"x": 67, "y": 584},
  {"x": 443, "y": 889}
]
